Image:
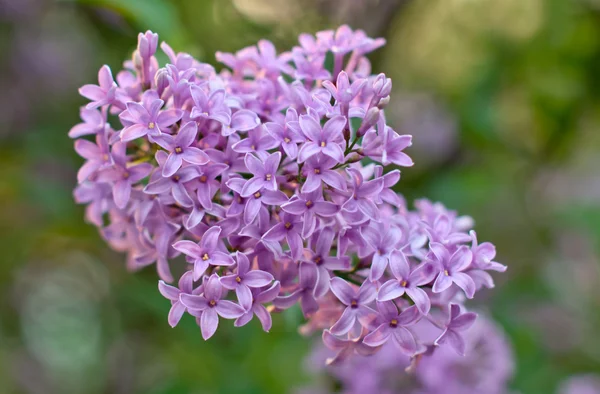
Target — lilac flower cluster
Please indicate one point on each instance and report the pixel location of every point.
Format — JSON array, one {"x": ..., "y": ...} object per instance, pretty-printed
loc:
[
  {"x": 272, "y": 178},
  {"x": 486, "y": 369}
]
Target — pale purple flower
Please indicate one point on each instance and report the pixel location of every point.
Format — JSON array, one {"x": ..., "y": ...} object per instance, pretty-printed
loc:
[
  {"x": 450, "y": 268},
  {"x": 345, "y": 347},
  {"x": 251, "y": 205},
  {"x": 309, "y": 205},
  {"x": 181, "y": 148},
  {"x": 103, "y": 93},
  {"x": 265, "y": 173},
  {"x": 393, "y": 326},
  {"x": 383, "y": 239},
  {"x": 148, "y": 119},
  {"x": 289, "y": 228},
  {"x": 93, "y": 123},
  {"x": 322, "y": 140},
  {"x": 97, "y": 156},
  {"x": 122, "y": 176},
  {"x": 305, "y": 293},
  {"x": 245, "y": 120},
  {"x": 205, "y": 253},
  {"x": 212, "y": 306},
  {"x": 319, "y": 256},
  {"x": 185, "y": 286},
  {"x": 407, "y": 281},
  {"x": 210, "y": 107},
  {"x": 256, "y": 141},
  {"x": 207, "y": 184},
  {"x": 458, "y": 322},
  {"x": 356, "y": 301},
  {"x": 244, "y": 279},
  {"x": 319, "y": 169},
  {"x": 260, "y": 297},
  {"x": 343, "y": 91},
  {"x": 288, "y": 134},
  {"x": 362, "y": 195},
  {"x": 175, "y": 184}
]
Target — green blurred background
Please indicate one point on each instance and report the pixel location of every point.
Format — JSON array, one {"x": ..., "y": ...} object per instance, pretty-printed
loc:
[{"x": 503, "y": 100}]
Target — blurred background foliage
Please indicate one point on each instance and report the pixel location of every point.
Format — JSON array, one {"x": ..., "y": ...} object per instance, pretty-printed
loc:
[{"x": 501, "y": 97}]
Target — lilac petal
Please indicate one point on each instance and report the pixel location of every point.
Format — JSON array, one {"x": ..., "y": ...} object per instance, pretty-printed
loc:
[
  {"x": 175, "y": 313},
  {"x": 200, "y": 267},
  {"x": 244, "y": 296},
  {"x": 379, "y": 336},
  {"x": 463, "y": 322},
  {"x": 367, "y": 293},
  {"x": 92, "y": 92},
  {"x": 213, "y": 290},
  {"x": 308, "y": 304},
  {"x": 88, "y": 169},
  {"x": 390, "y": 290},
  {"x": 409, "y": 316},
  {"x": 332, "y": 342},
  {"x": 181, "y": 195},
  {"x": 87, "y": 149},
  {"x": 221, "y": 258},
  {"x": 334, "y": 151},
  {"x": 399, "y": 265},
  {"x": 422, "y": 274},
  {"x": 312, "y": 183},
  {"x": 323, "y": 245},
  {"x": 308, "y": 275},
  {"x": 194, "y": 301},
  {"x": 272, "y": 163},
  {"x": 254, "y": 165},
  {"x": 168, "y": 117},
  {"x": 275, "y": 130},
  {"x": 195, "y": 156},
  {"x": 157, "y": 187},
  {"x": 334, "y": 179},
  {"x": 453, "y": 339},
  {"x": 230, "y": 310},
  {"x": 295, "y": 243},
  {"x": 269, "y": 294},
  {"x": 209, "y": 321},
  {"x": 230, "y": 282},
  {"x": 387, "y": 309},
  {"x": 342, "y": 290},
  {"x": 325, "y": 208},
  {"x": 121, "y": 193},
  {"x": 264, "y": 317},
  {"x": 244, "y": 319},
  {"x": 370, "y": 188},
  {"x": 138, "y": 112},
  {"x": 288, "y": 301},
  {"x": 257, "y": 278},
  {"x": 405, "y": 340},
  {"x": 274, "y": 197},
  {"x": 290, "y": 149},
  {"x": 188, "y": 248},
  {"x": 440, "y": 251},
  {"x": 307, "y": 150},
  {"x": 369, "y": 208},
  {"x": 186, "y": 135},
  {"x": 252, "y": 186},
  {"x": 243, "y": 264},
  {"x": 310, "y": 127},
  {"x": 210, "y": 238},
  {"x": 441, "y": 283},
  {"x": 296, "y": 207},
  {"x": 253, "y": 206},
  {"x": 276, "y": 233},
  {"x": 133, "y": 132},
  {"x": 169, "y": 292},
  {"x": 465, "y": 282},
  {"x": 345, "y": 322},
  {"x": 172, "y": 164},
  {"x": 461, "y": 259},
  {"x": 378, "y": 266},
  {"x": 420, "y": 298},
  {"x": 244, "y": 120}
]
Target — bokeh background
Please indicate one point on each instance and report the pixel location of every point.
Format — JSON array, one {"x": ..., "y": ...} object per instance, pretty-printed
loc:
[{"x": 503, "y": 100}]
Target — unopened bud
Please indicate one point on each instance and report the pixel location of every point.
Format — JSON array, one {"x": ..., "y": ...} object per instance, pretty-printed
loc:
[
  {"x": 369, "y": 121},
  {"x": 161, "y": 81},
  {"x": 383, "y": 102}
]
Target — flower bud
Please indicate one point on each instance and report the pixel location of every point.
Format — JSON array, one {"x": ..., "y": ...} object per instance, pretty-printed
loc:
[
  {"x": 161, "y": 81},
  {"x": 383, "y": 102},
  {"x": 369, "y": 121}
]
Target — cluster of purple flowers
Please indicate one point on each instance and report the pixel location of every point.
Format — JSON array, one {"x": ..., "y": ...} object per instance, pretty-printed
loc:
[
  {"x": 272, "y": 177},
  {"x": 486, "y": 369}
]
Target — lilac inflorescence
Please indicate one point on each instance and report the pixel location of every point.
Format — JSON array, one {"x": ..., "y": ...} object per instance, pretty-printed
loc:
[{"x": 275, "y": 179}]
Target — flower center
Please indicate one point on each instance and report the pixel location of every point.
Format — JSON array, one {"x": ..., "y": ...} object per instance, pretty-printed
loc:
[
  {"x": 268, "y": 177},
  {"x": 178, "y": 149},
  {"x": 105, "y": 157},
  {"x": 238, "y": 279},
  {"x": 205, "y": 257},
  {"x": 446, "y": 273},
  {"x": 125, "y": 174},
  {"x": 318, "y": 260},
  {"x": 176, "y": 178},
  {"x": 151, "y": 125},
  {"x": 212, "y": 303},
  {"x": 288, "y": 225},
  {"x": 257, "y": 195},
  {"x": 253, "y": 147},
  {"x": 287, "y": 140},
  {"x": 354, "y": 304},
  {"x": 323, "y": 144},
  {"x": 309, "y": 203},
  {"x": 403, "y": 283},
  {"x": 203, "y": 178},
  {"x": 317, "y": 170},
  {"x": 394, "y": 323}
]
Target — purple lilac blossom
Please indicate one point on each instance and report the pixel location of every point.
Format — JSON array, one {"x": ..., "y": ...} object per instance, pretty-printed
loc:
[{"x": 258, "y": 176}]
